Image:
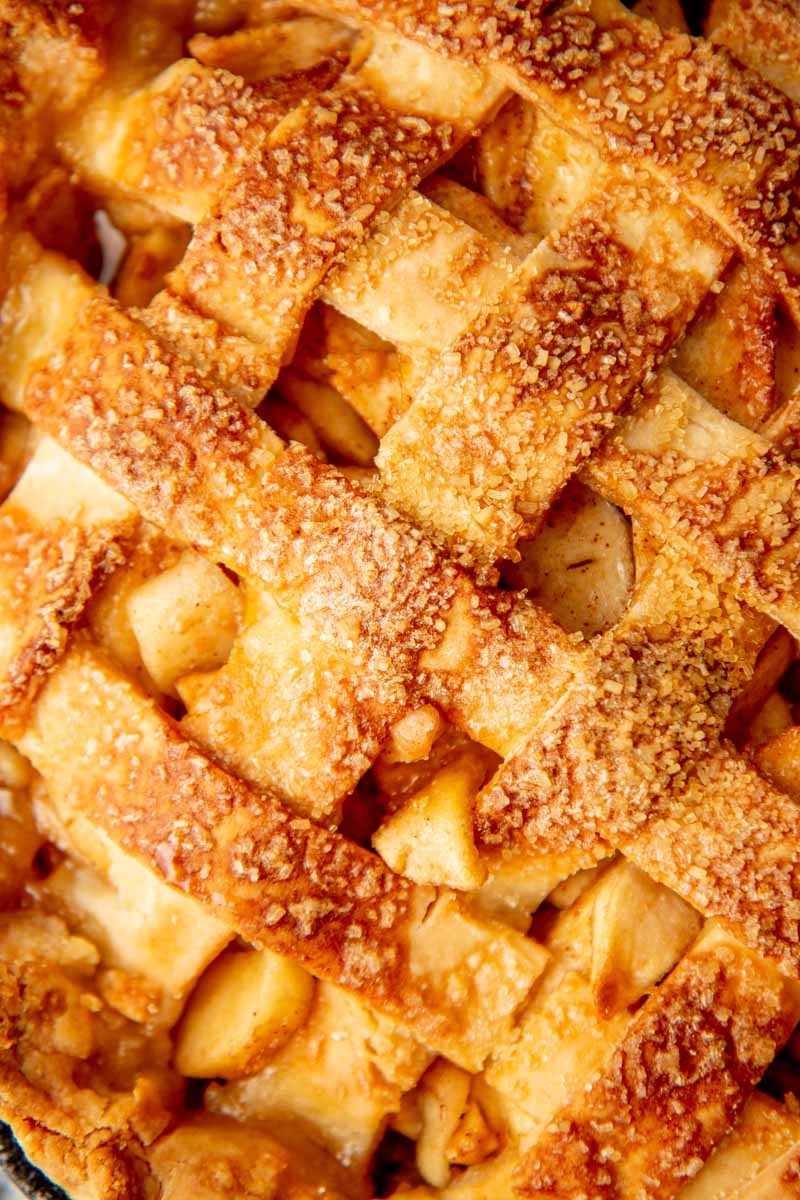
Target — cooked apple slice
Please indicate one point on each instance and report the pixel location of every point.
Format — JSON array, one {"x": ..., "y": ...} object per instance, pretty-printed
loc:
[
  {"x": 245, "y": 1007},
  {"x": 430, "y": 839},
  {"x": 39, "y": 310},
  {"x": 184, "y": 619},
  {"x": 342, "y": 430},
  {"x": 747, "y": 1159},
  {"x": 580, "y": 564},
  {"x": 444, "y": 1094},
  {"x": 569, "y": 890},
  {"x": 516, "y": 885},
  {"x": 412, "y": 737},
  {"x": 623, "y": 934},
  {"x": 208, "y": 1157},
  {"x": 337, "y": 1081},
  {"x": 776, "y": 656},
  {"x": 779, "y": 760},
  {"x": 639, "y": 931},
  {"x": 560, "y": 1045},
  {"x": 772, "y": 720},
  {"x": 473, "y": 1139}
]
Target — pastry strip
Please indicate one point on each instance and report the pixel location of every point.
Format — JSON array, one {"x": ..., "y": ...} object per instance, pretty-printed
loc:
[
  {"x": 681, "y": 109},
  {"x": 712, "y": 487},
  {"x": 107, "y": 751},
  {"x": 526, "y": 393},
  {"x": 685, "y": 1065},
  {"x": 185, "y": 452}
]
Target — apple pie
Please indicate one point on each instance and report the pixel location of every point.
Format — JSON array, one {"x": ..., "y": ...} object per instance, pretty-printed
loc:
[{"x": 399, "y": 586}]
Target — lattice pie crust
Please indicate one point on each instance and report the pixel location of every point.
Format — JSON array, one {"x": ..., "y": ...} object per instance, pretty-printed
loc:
[{"x": 400, "y": 563}]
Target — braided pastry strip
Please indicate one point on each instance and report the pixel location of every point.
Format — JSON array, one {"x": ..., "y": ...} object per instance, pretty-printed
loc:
[
  {"x": 110, "y": 755},
  {"x": 627, "y": 730},
  {"x": 631, "y": 759},
  {"x": 197, "y": 535},
  {"x": 177, "y": 498},
  {"x": 490, "y": 503},
  {"x": 256, "y": 260},
  {"x": 723, "y": 493},
  {"x": 490, "y": 514},
  {"x": 489, "y": 509}
]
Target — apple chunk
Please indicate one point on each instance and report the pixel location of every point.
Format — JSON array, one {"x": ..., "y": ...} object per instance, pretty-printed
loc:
[
  {"x": 430, "y": 839},
  {"x": 184, "y": 619},
  {"x": 247, "y": 1004}
]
